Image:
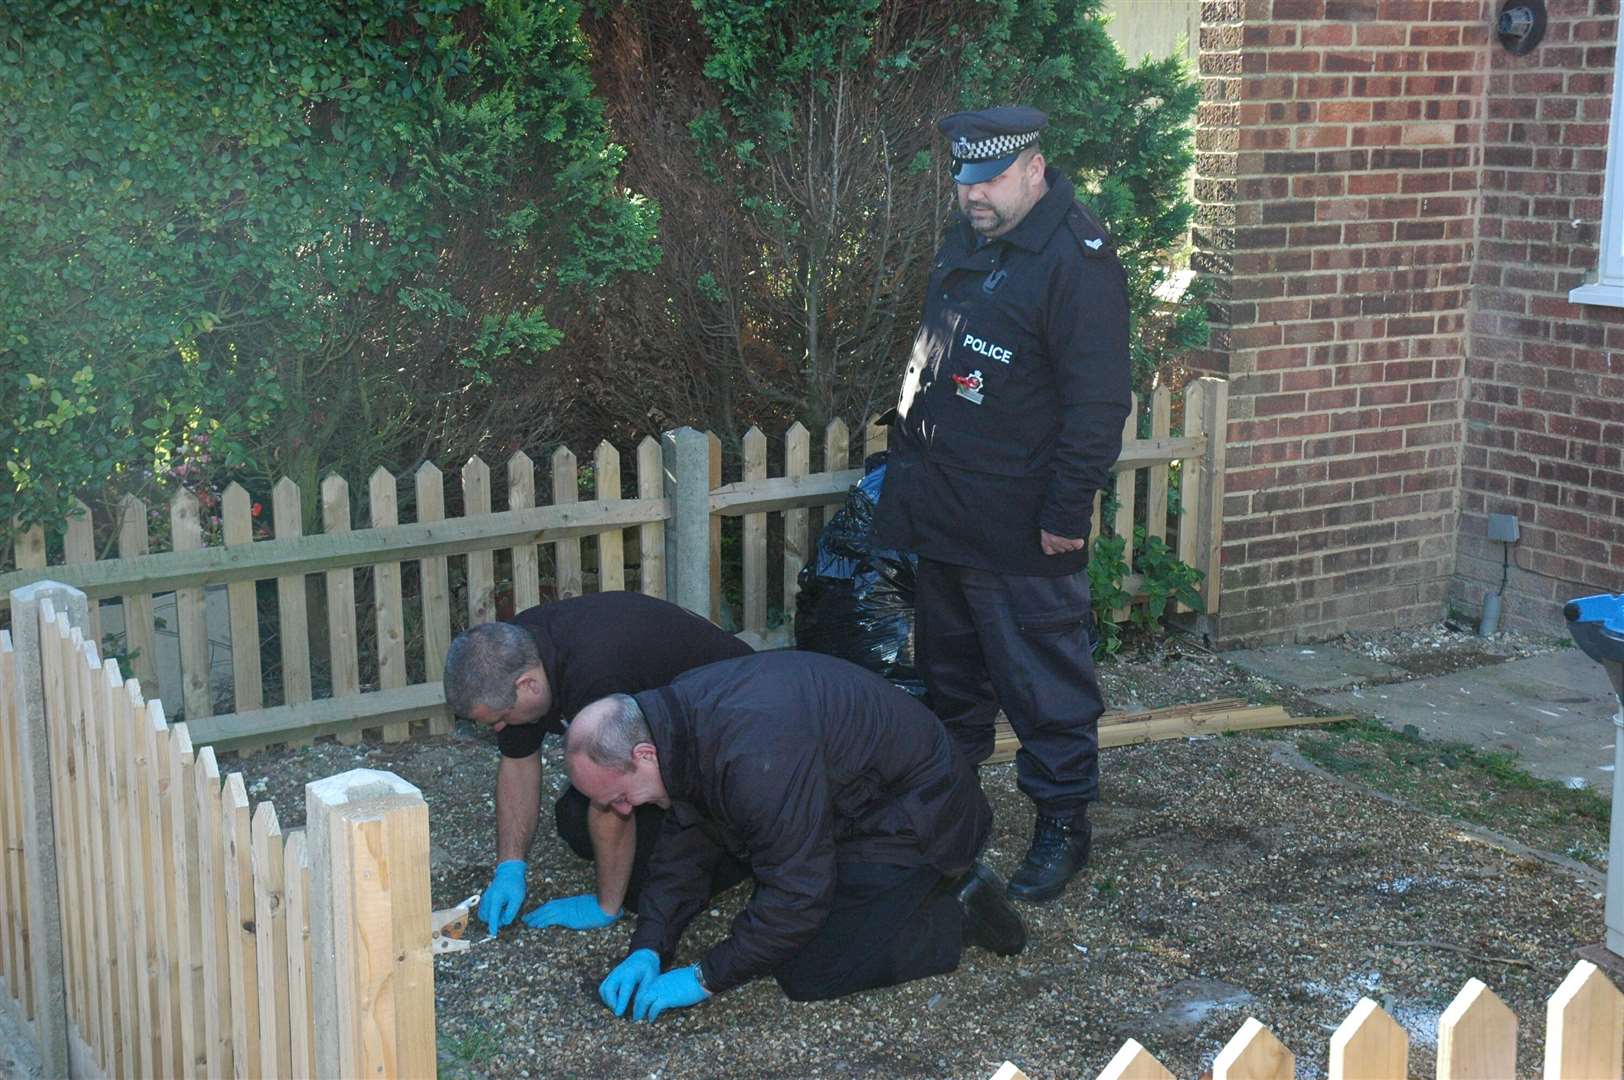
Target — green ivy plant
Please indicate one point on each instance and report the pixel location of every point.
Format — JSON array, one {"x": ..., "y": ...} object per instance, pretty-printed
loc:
[{"x": 1167, "y": 580}]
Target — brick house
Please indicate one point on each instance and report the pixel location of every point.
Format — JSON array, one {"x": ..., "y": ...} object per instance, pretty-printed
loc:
[{"x": 1396, "y": 209}]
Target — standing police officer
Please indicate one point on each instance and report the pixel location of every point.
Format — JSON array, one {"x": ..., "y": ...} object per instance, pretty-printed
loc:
[{"x": 1009, "y": 421}]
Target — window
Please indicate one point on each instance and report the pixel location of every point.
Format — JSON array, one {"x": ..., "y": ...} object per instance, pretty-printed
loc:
[{"x": 1608, "y": 289}]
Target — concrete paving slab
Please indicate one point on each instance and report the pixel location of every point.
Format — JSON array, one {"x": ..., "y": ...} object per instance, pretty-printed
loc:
[
  {"x": 1554, "y": 710},
  {"x": 1312, "y": 667}
]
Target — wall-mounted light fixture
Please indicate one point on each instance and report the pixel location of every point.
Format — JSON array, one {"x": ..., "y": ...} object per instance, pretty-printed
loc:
[{"x": 1521, "y": 25}]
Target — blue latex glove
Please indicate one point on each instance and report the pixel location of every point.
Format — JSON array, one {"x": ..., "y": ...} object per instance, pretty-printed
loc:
[
  {"x": 503, "y": 898},
  {"x": 628, "y": 978},
  {"x": 573, "y": 913},
  {"x": 676, "y": 989}
]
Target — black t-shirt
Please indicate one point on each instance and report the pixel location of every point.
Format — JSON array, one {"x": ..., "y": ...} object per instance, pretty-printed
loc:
[{"x": 611, "y": 643}]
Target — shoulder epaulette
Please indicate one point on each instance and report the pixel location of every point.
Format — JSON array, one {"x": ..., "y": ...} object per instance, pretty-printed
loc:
[{"x": 1091, "y": 235}]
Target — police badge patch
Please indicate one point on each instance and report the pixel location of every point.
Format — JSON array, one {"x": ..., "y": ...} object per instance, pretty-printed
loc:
[{"x": 970, "y": 386}]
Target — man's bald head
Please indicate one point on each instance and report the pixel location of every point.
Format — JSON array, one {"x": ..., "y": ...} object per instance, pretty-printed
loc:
[{"x": 607, "y": 731}]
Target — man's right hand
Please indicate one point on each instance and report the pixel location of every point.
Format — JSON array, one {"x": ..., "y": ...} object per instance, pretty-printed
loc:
[
  {"x": 629, "y": 977},
  {"x": 572, "y": 912},
  {"x": 504, "y": 896}
]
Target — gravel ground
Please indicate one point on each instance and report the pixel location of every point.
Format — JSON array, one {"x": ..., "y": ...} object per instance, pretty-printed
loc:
[{"x": 1230, "y": 879}]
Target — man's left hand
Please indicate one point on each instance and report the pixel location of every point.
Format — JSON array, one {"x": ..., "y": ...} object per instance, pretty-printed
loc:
[
  {"x": 674, "y": 990},
  {"x": 1058, "y": 545}
]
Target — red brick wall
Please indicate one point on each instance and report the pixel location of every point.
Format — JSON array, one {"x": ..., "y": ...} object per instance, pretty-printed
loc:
[
  {"x": 1340, "y": 161},
  {"x": 1545, "y": 378}
]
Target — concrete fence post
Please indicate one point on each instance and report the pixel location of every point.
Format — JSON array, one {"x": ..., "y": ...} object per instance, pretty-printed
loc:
[
  {"x": 687, "y": 539},
  {"x": 372, "y": 973},
  {"x": 39, "y": 839}
]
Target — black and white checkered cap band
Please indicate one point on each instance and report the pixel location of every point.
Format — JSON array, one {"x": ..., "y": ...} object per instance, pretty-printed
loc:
[{"x": 995, "y": 147}]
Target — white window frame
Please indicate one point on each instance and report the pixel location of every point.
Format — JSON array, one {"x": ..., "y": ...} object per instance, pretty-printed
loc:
[{"x": 1608, "y": 288}]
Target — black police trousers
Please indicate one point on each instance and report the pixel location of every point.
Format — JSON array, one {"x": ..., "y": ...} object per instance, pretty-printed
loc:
[
  {"x": 570, "y": 812},
  {"x": 985, "y": 640},
  {"x": 889, "y": 924}
]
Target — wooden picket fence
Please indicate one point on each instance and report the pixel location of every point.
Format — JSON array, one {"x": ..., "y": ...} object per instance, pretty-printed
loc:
[
  {"x": 385, "y": 675},
  {"x": 155, "y": 924},
  {"x": 1477, "y": 1040}
]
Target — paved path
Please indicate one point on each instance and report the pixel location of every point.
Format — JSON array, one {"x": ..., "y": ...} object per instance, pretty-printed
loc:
[{"x": 1555, "y": 711}]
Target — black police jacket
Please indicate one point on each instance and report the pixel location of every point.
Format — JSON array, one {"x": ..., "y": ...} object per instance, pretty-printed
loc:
[
  {"x": 794, "y": 762},
  {"x": 1014, "y": 397}
]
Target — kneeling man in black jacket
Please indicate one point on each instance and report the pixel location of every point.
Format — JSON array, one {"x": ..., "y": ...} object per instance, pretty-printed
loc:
[{"x": 858, "y": 819}]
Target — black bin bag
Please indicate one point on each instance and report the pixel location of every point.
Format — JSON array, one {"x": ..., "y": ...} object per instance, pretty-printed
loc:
[{"x": 856, "y": 601}]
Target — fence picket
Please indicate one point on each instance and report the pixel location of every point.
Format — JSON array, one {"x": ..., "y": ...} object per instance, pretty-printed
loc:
[
  {"x": 247, "y": 678},
  {"x": 217, "y": 1001},
  {"x": 13, "y": 954},
  {"x": 1369, "y": 1045},
  {"x": 131, "y": 985},
  {"x": 716, "y": 600},
  {"x": 836, "y": 456},
  {"x": 301, "y": 1024},
  {"x": 1584, "y": 1027},
  {"x": 1253, "y": 1054},
  {"x": 271, "y": 941},
  {"x": 152, "y": 729},
  {"x": 430, "y": 485},
  {"x": 650, "y": 537},
  {"x": 476, "y": 499},
  {"x": 343, "y": 644},
  {"x": 1125, "y": 490},
  {"x": 59, "y": 648},
  {"x": 521, "y": 489},
  {"x": 1477, "y": 1036},
  {"x": 185, "y": 879},
  {"x": 797, "y": 461},
  {"x": 242, "y": 949},
  {"x": 1133, "y": 1062},
  {"x": 1161, "y": 410},
  {"x": 102, "y": 838},
  {"x": 567, "y": 552},
  {"x": 611, "y": 543},
  {"x": 79, "y": 546},
  {"x": 1192, "y": 499},
  {"x": 186, "y": 534},
  {"x": 386, "y": 597},
  {"x": 755, "y": 538},
  {"x": 288, "y": 521},
  {"x": 29, "y": 546},
  {"x": 137, "y": 607}
]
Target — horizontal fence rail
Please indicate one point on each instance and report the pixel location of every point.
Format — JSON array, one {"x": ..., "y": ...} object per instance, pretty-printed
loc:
[
  {"x": 275, "y": 632},
  {"x": 1477, "y": 1040},
  {"x": 179, "y": 917}
]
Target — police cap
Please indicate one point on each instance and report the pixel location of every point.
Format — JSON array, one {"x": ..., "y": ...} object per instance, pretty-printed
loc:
[{"x": 986, "y": 142}]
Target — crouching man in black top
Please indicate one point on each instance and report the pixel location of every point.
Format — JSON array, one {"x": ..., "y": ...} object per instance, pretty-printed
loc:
[{"x": 845, "y": 797}]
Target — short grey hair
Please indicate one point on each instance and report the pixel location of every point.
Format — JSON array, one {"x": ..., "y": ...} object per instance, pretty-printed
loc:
[
  {"x": 483, "y": 663},
  {"x": 609, "y": 740}
]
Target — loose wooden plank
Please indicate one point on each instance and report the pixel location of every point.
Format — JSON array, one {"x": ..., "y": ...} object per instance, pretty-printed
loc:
[
  {"x": 1369, "y": 1045},
  {"x": 186, "y": 534},
  {"x": 476, "y": 502},
  {"x": 288, "y": 520},
  {"x": 186, "y": 880},
  {"x": 138, "y": 629},
  {"x": 521, "y": 487},
  {"x": 247, "y": 679},
  {"x": 1477, "y": 1036},
  {"x": 301, "y": 1024},
  {"x": 797, "y": 546},
  {"x": 567, "y": 551},
  {"x": 342, "y": 638},
  {"x": 1133, "y": 1062},
  {"x": 1179, "y": 721},
  {"x": 755, "y": 538},
  {"x": 611, "y": 544},
  {"x": 381, "y": 488},
  {"x": 650, "y": 536},
  {"x": 271, "y": 942},
  {"x": 217, "y": 1000},
  {"x": 242, "y": 947}
]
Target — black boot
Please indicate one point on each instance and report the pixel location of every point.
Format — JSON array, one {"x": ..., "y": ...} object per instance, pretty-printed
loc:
[
  {"x": 1059, "y": 849},
  {"x": 990, "y": 921}
]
